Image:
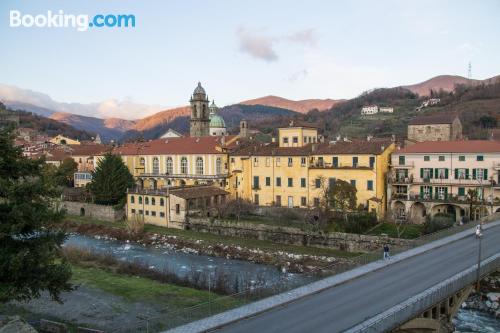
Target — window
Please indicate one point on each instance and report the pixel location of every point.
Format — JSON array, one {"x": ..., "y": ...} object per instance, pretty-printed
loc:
[
  {"x": 170, "y": 166},
  {"x": 153, "y": 213},
  {"x": 426, "y": 173},
  {"x": 140, "y": 200},
  {"x": 184, "y": 165},
  {"x": 295, "y": 139},
  {"x": 303, "y": 201},
  {"x": 285, "y": 140},
  {"x": 256, "y": 182},
  {"x": 369, "y": 185},
  {"x": 401, "y": 160},
  {"x": 278, "y": 181},
  {"x": 199, "y": 165},
  {"x": 480, "y": 174},
  {"x": 331, "y": 182},
  {"x": 268, "y": 161},
  {"x": 278, "y": 200},
  {"x": 147, "y": 212},
  {"x": 162, "y": 202},
  {"x": 290, "y": 182},
  {"x": 142, "y": 162},
  {"x": 278, "y": 161},
  {"x": 355, "y": 162},
  {"x": 162, "y": 214},
  {"x": 461, "y": 191},
  {"x": 290, "y": 161},
  {"x": 302, "y": 182},
  {"x": 317, "y": 182},
  {"x": 303, "y": 161},
  {"x": 335, "y": 161},
  {"x": 441, "y": 158},
  {"x": 156, "y": 165},
  {"x": 461, "y": 158},
  {"x": 232, "y": 159},
  {"x": 153, "y": 201},
  {"x": 305, "y": 139},
  {"x": 133, "y": 211},
  {"x": 461, "y": 173},
  {"x": 140, "y": 211},
  {"x": 427, "y": 158},
  {"x": 255, "y": 161},
  {"x": 316, "y": 202},
  {"x": 353, "y": 182},
  {"x": 177, "y": 209},
  {"x": 372, "y": 161},
  {"x": 146, "y": 200},
  {"x": 268, "y": 181},
  {"x": 218, "y": 166},
  {"x": 256, "y": 199},
  {"x": 479, "y": 158},
  {"x": 132, "y": 199},
  {"x": 441, "y": 173}
]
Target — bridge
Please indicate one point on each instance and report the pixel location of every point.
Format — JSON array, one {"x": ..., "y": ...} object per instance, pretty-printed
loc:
[{"x": 419, "y": 290}]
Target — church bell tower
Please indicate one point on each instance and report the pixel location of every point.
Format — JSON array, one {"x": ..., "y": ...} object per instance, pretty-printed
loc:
[{"x": 200, "y": 113}]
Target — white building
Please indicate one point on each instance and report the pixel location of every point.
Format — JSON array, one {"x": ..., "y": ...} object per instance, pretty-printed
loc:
[
  {"x": 369, "y": 110},
  {"x": 386, "y": 109},
  {"x": 170, "y": 133},
  {"x": 434, "y": 177}
]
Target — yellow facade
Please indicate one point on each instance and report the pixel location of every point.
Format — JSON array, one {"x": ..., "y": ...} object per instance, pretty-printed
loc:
[
  {"x": 297, "y": 136},
  {"x": 63, "y": 140}
]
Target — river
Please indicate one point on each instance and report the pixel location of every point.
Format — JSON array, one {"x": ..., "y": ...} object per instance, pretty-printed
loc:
[{"x": 246, "y": 273}]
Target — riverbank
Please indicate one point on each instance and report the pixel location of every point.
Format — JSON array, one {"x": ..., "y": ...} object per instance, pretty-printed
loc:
[
  {"x": 487, "y": 300},
  {"x": 291, "y": 258}
]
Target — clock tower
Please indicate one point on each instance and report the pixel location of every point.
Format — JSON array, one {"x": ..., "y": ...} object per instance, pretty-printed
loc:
[{"x": 200, "y": 113}]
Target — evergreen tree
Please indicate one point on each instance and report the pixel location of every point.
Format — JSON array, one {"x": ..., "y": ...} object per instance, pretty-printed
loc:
[
  {"x": 110, "y": 181},
  {"x": 30, "y": 244}
]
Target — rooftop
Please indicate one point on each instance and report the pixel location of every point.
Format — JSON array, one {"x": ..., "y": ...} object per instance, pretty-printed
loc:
[
  {"x": 446, "y": 118},
  {"x": 471, "y": 146}
]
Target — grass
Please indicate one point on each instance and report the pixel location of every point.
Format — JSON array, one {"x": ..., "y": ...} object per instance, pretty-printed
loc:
[
  {"x": 410, "y": 231},
  {"x": 216, "y": 239}
]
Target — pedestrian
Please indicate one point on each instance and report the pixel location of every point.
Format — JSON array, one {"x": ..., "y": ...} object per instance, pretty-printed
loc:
[
  {"x": 386, "y": 251},
  {"x": 478, "y": 231}
]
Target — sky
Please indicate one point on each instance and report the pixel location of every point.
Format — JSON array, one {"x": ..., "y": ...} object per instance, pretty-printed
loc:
[{"x": 245, "y": 49}]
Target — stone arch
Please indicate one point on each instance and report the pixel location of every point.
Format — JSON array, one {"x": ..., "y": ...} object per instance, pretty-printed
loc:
[
  {"x": 498, "y": 210},
  {"x": 447, "y": 208},
  {"x": 418, "y": 212},
  {"x": 82, "y": 211},
  {"x": 398, "y": 210}
]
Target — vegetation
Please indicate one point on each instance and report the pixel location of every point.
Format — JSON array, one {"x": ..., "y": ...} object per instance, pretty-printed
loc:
[
  {"x": 438, "y": 222},
  {"x": 31, "y": 260},
  {"x": 62, "y": 175},
  {"x": 110, "y": 181},
  {"x": 390, "y": 229}
]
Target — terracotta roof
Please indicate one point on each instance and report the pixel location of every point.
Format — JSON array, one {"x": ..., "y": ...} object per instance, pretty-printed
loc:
[
  {"x": 471, "y": 146},
  {"x": 191, "y": 192},
  {"x": 90, "y": 149},
  {"x": 446, "y": 118},
  {"x": 495, "y": 134},
  {"x": 185, "y": 145},
  {"x": 341, "y": 147},
  {"x": 56, "y": 155}
]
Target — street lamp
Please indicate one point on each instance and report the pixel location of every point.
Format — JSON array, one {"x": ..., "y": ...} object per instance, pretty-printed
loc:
[{"x": 478, "y": 276}]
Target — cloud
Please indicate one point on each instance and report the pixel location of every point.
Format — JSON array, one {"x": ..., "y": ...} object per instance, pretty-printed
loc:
[
  {"x": 257, "y": 45},
  {"x": 111, "y": 108},
  {"x": 261, "y": 46}
]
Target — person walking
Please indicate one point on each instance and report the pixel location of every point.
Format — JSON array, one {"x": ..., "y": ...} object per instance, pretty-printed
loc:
[
  {"x": 478, "y": 231},
  {"x": 386, "y": 251}
]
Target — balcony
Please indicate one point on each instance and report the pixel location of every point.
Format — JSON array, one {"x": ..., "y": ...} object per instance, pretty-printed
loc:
[
  {"x": 408, "y": 165},
  {"x": 453, "y": 181},
  {"x": 395, "y": 179},
  {"x": 183, "y": 176},
  {"x": 324, "y": 165},
  {"x": 428, "y": 198}
]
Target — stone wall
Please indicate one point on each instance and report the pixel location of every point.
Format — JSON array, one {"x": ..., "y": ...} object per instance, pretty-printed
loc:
[
  {"x": 294, "y": 236},
  {"x": 101, "y": 212}
]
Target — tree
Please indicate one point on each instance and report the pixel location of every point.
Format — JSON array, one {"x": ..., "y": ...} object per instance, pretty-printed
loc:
[
  {"x": 30, "y": 243},
  {"x": 66, "y": 172},
  {"x": 110, "y": 181},
  {"x": 473, "y": 200},
  {"x": 487, "y": 121},
  {"x": 343, "y": 197}
]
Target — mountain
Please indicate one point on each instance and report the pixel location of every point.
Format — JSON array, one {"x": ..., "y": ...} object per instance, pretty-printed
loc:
[
  {"x": 301, "y": 106},
  {"x": 446, "y": 83}
]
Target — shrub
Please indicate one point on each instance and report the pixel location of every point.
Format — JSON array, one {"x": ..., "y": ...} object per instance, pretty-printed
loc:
[{"x": 438, "y": 222}]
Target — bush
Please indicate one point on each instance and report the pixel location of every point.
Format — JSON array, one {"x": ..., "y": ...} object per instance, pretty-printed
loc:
[
  {"x": 438, "y": 222},
  {"x": 357, "y": 223}
]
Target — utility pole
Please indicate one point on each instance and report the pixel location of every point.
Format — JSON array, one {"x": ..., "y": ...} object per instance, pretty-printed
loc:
[{"x": 478, "y": 276}]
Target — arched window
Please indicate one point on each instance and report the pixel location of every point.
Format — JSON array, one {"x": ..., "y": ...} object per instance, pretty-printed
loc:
[
  {"x": 140, "y": 200},
  {"x": 170, "y": 166},
  {"x": 218, "y": 166},
  {"x": 184, "y": 165},
  {"x": 132, "y": 199},
  {"x": 162, "y": 202},
  {"x": 199, "y": 165},
  {"x": 156, "y": 165},
  {"x": 142, "y": 162},
  {"x": 146, "y": 200},
  {"x": 153, "y": 201}
]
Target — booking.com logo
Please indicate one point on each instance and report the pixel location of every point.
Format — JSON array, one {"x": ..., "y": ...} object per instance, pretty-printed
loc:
[{"x": 81, "y": 22}]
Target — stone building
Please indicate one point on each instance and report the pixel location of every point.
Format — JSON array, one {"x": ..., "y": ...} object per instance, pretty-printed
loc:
[
  {"x": 438, "y": 127},
  {"x": 200, "y": 113}
]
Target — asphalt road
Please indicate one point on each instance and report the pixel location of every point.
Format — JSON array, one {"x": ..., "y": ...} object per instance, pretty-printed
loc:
[{"x": 344, "y": 306}]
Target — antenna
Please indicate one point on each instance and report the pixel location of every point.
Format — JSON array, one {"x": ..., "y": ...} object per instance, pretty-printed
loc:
[{"x": 469, "y": 71}]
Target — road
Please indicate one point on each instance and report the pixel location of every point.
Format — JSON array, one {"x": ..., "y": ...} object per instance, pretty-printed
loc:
[{"x": 341, "y": 307}]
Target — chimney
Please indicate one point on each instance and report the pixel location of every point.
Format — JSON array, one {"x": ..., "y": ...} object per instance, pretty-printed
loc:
[{"x": 273, "y": 139}]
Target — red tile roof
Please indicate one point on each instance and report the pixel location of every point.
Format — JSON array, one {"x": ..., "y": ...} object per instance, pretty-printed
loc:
[
  {"x": 185, "y": 145},
  {"x": 471, "y": 146},
  {"x": 446, "y": 118},
  {"x": 89, "y": 149}
]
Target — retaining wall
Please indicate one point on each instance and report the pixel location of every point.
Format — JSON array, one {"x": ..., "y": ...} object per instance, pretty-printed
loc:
[{"x": 101, "y": 212}]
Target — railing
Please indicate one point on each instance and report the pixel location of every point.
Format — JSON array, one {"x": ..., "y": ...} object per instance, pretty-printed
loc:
[
  {"x": 403, "y": 166},
  {"x": 324, "y": 165},
  {"x": 400, "y": 180},
  {"x": 250, "y": 294},
  {"x": 183, "y": 176}
]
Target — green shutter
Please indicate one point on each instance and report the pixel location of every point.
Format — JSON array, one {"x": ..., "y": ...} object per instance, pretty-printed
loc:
[
  {"x": 473, "y": 173},
  {"x": 467, "y": 173},
  {"x": 430, "y": 191},
  {"x": 456, "y": 173},
  {"x": 485, "y": 174},
  {"x": 461, "y": 191},
  {"x": 436, "y": 173},
  {"x": 445, "y": 192},
  {"x": 421, "y": 172},
  {"x": 446, "y": 173},
  {"x": 421, "y": 191}
]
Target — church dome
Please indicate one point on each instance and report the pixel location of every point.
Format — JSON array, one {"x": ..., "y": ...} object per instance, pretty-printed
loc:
[
  {"x": 216, "y": 121},
  {"x": 199, "y": 90}
]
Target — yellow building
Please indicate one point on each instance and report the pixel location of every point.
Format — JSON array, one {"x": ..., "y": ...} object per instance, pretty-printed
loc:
[
  {"x": 181, "y": 161},
  {"x": 171, "y": 207},
  {"x": 63, "y": 140},
  {"x": 295, "y": 170}
]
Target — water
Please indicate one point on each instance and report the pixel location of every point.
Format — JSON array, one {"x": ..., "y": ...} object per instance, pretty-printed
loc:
[
  {"x": 241, "y": 274},
  {"x": 470, "y": 321}
]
